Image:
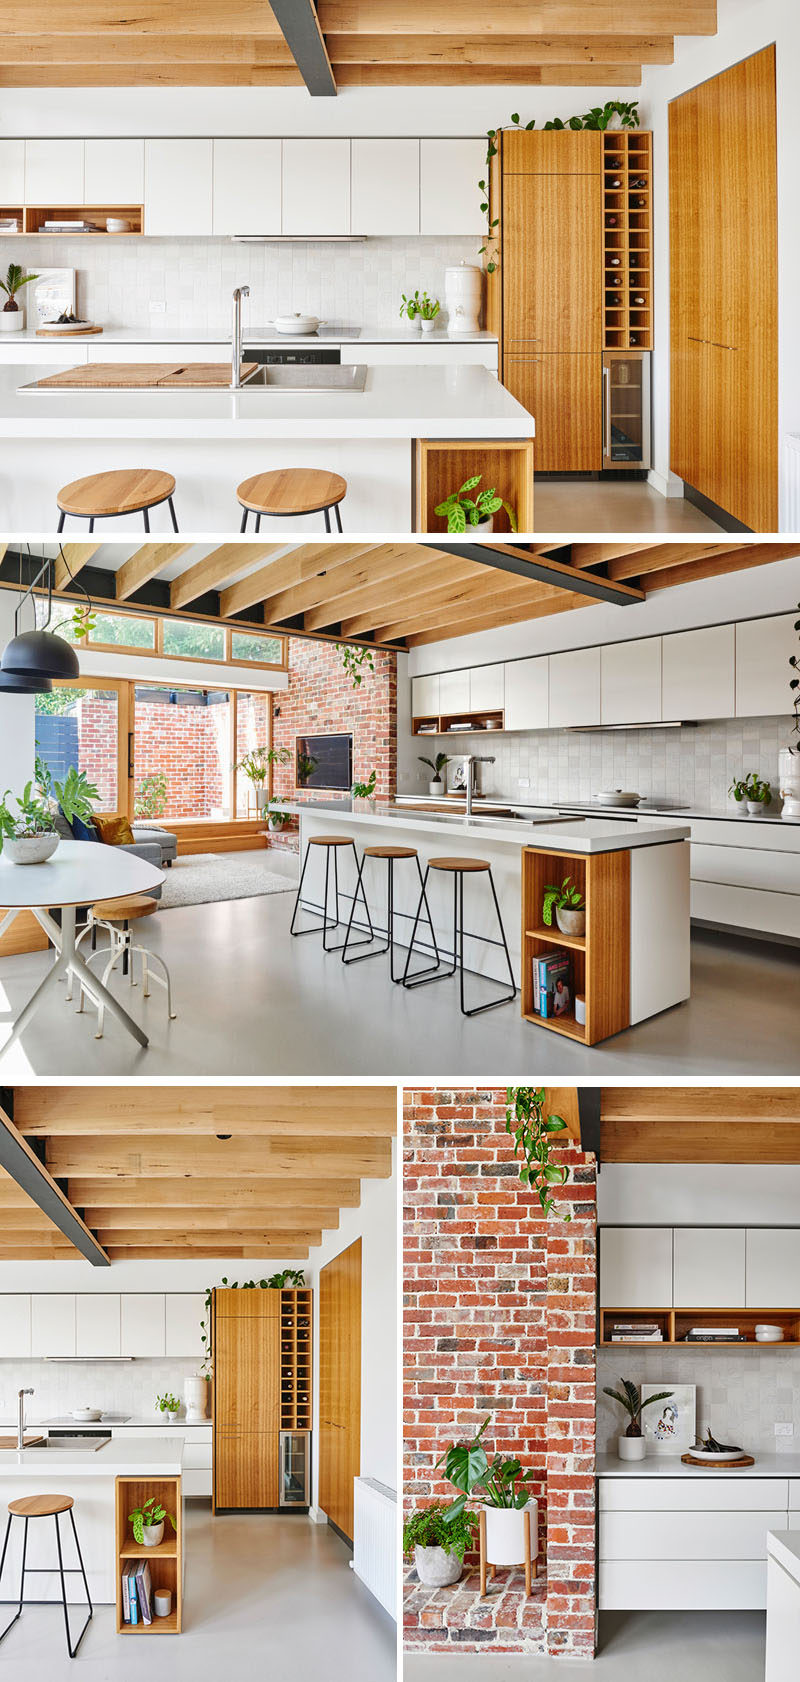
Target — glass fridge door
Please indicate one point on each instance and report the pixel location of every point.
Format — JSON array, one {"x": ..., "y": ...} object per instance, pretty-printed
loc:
[
  {"x": 295, "y": 1469},
  {"x": 626, "y": 409}
]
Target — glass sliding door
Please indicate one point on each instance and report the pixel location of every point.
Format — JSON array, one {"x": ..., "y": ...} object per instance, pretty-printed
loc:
[
  {"x": 81, "y": 726},
  {"x": 182, "y": 752},
  {"x": 253, "y": 730}
]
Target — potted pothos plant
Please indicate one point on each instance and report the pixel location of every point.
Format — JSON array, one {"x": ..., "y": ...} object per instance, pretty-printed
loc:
[
  {"x": 438, "y": 1543},
  {"x": 28, "y": 832},
  {"x": 569, "y": 905},
  {"x": 460, "y": 509},
  {"x": 147, "y": 1522},
  {"x": 631, "y": 1445},
  {"x": 437, "y": 766},
  {"x": 365, "y": 791},
  {"x": 12, "y": 319},
  {"x": 501, "y": 1485},
  {"x": 532, "y": 1131}
]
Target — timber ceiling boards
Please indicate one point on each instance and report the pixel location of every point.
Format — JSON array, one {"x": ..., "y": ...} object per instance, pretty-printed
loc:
[
  {"x": 344, "y": 43},
  {"x": 700, "y": 1124},
  {"x": 176, "y": 1173}
]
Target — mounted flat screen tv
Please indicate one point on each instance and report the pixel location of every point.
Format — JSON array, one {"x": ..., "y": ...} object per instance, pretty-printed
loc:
[{"x": 324, "y": 762}]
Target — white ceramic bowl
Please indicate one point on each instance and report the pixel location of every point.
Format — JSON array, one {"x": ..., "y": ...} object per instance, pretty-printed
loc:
[
  {"x": 769, "y": 1334},
  {"x": 117, "y": 225}
]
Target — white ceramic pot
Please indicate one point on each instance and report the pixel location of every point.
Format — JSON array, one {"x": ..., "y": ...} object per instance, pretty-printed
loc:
[
  {"x": 436, "y": 788},
  {"x": 505, "y": 1535},
  {"x": 428, "y": 326},
  {"x": 462, "y": 296},
  {"x": 195, "y": 1395},
  {"x": 153, "y": 1534},
  {"x": 571, "y": 922},
  {"x": 437, "y": 1568},
  {"x": 631, "y": 1448},
  {"x": 483, "y": 527},
  {"x": 30, "y": 849},
  {"x": 789, "y": 782},
  {"x": 12, "y": 321},
  {"x": 754, "y": 807}
]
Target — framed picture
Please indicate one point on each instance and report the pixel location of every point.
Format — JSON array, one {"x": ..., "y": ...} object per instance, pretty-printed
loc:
[
  {"x": 670, "y": 1427},
  {"x": 54, "y": 294}
]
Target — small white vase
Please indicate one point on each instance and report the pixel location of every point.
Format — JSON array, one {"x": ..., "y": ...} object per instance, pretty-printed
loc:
[
  {"x": 505, "y": 1534},
  {"x": 631, "y": 1448},
  {"x": 30, "y": 849},
  {"x": 437, "y": 1568},
  {"x": 153, "y": 1534}
]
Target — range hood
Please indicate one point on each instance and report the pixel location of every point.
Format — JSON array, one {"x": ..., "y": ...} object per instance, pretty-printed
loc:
[
  {"x": 298, "y": 239},
  {"x": 107, "y": 1360},
  {"x": 643, "y": 724}
]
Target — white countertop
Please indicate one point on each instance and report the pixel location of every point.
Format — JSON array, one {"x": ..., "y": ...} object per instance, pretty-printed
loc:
[
  {"x": 671, "y": 1466},
  {"x": 588, "y": 835},
  {"x": 396, "y": 403},
  {"x": 115, "y": 1459},
  {"x": 101, "y": 1426},
  {"x": 648, "y": 808},
  {"x": 253, "y": 336}
]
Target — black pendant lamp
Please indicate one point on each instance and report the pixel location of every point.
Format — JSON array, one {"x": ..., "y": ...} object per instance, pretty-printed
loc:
[
  {"x": 19, "y": 683},
  {"x": 38, "y": 653}
]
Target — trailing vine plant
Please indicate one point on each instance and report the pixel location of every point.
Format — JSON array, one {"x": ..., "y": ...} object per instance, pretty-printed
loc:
[
  {"x": 794, "y": 685},
  {"x": 598, "y": 118},
  {"x": 356, "y": 662},
  {"x": 292, "y": 1278},
  {"x": 532, "y": 1133}
]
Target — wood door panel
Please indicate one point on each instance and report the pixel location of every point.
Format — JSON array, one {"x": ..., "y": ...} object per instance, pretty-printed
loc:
[
  {"x": 552, "y": 263},
  {"x": 340, "y": 1385},
  {"x": 247, "y": 1374},
  {"x": 248, "y": 1305},
  {"x": 552, "y": 151},
  {"x": 564, "y": 395},
  {"x": 247, "y": 1469}
]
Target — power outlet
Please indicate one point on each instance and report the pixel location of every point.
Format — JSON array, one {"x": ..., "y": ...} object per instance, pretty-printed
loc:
[
  {"x": 523, "y": 782},
  {"x": 158, "y": 306},
  {"x": 784, "y": 1428}
]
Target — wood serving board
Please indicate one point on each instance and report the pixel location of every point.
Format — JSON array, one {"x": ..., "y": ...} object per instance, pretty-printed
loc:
[
  {"x": 144, "y": 376},
  {"x": 65, "y": 332},
  {"x": 207, "y": 374},
  {"x": 712, "y": 1465},
  {"x": 11, "y": 1442}
]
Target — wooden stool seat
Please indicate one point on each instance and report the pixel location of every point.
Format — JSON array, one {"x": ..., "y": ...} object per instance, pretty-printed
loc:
[
  {"x": 390, "y": 852},
  {"x": 292, "y": 490},
  {"x": 40, "y": 1506},
  {"x": 124, "y": 910},
  {"x": 125, "y": 490},
  {"x": 459, "y": 864},
  {"x": 330, "y": 841}
]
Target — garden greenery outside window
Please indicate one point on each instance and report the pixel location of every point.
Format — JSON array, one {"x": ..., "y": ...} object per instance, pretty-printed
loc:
[{"x": 173, "y": 639}]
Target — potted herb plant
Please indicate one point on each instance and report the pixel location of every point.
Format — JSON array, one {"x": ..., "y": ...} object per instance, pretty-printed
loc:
[
  {"x": 437, "y": 765},
  {"x": 753, "y": 790},
  {"x": 410, "y": 308},
  {"x": 28, "y": 834},
  {"x": 148, "y": 1522},
  {"x": 12, "y": 319},
  {"x": 502, "y": 1487},
  {"x": 632, "y": 1445},
  {"x": 256, "y": 767},
  {"x": 789, "y": 757},
  {"x": 278, "y": 820},
  {"x": 168, "y": 1406},
  {"x": 569, "y": 905},
  {"x": 459, "y": 509},
  {"x": 438, "y": 1543},
  {"x": 428, "y": 310}
]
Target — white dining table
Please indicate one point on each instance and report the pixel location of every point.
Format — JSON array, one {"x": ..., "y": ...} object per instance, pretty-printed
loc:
[{"x": 79, "y": 873}]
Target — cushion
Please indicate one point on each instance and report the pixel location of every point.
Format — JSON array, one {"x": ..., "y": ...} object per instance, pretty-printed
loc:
[
  {"x": 62, "y": 827},
  {"x": 113, "y": 828},
  {"x": 81, "y": 831}
]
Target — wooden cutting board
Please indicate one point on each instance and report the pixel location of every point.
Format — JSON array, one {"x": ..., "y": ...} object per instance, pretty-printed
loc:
[
  {"x": 723, "y": 1465},
  {"x": 101, "y": 376},
  {"x": 11, "y": 1442},
  {"x": 55, "y": 332},
  {"x": 210, "y": 375}
]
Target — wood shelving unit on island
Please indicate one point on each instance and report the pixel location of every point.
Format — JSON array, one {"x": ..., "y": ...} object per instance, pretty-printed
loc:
[
  {"x": 165, "y": 1560},
  {"x": 441, "y": 466},
  {"x": 600, "y": 958},
  {"x": 674, "y": 1323}
]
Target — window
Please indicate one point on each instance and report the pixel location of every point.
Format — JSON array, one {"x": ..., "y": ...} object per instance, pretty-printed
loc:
[
  {"x": 187, "y": 638},
  {"x": 182, "y": 752},
  {"x": 253, "y": 731},
  {"x": 77, "y": 726},
  {"x": 249, "y": 645},
  {"x": 123, "y": 630}
]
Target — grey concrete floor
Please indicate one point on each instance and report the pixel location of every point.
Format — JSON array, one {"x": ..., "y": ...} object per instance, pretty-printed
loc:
[
  {"x": 266, "y": 1597},
  {"x": 658, "y": 1646},
  {"x": 252, "y": 1001},
  {"x": 630, "y": 507}
]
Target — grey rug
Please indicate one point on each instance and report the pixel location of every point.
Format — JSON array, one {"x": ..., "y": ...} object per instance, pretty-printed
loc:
[{"x": 200, "y": 878}]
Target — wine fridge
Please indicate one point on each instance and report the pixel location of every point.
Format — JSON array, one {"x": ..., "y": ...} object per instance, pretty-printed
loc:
[
  {"x": 626, "y": 409},
  {"x": 295, "y": 1478}
]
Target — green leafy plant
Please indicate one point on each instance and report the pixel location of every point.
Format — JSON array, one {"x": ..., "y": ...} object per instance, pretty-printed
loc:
[
  {"x": 437, "y": 765},
  {"x": 257, "y": 763},
  {"x": 458, "y": 508},
  {"x": 150, "y": 1513},
  {"x": 291, "y": 1278},
  {"x": 365, "y": 791},
  {"x": 356, "y": 662},
  {"x": 499, "y": 1482},
  {"x": 429, "y": 307},
  {"x": 410, "y": 307},
  {"x": 600, "y": 116},
  {"x": 150, "y": 795},
  {"x": 306, "y": 767},
  {"x": 429, "y": 1527},
  {"x": 532, "y": 1131},
  {"x": 76, "y": 795},
  {"x": 794, "y": 685},
  {"x": 29, "y": 818},
  {"x": 166, "y": 1404},
  {"x": 15, "y": 279},
  {"x": 752, "y": 787},
  {"x": 278, "y": 819},
  {"x": 630, "y": 1398},
  {"x": 565, "y": 898}
]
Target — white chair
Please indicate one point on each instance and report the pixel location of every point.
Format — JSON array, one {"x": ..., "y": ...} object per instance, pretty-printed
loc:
[{"x": 115, "y": 917}]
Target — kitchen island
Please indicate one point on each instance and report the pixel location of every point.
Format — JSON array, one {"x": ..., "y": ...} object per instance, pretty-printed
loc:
[
  {"x": 412, "y": 435},
  {"x": 634, "y": 959}
]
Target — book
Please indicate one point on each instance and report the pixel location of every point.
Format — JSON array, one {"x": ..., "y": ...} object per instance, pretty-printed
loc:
[
  {"x": 132, "y": 1592},
  {"x": 126, "y": 1603},
  {"x": 555, "y": 985},
  {"x": 144, "y": 1591}
]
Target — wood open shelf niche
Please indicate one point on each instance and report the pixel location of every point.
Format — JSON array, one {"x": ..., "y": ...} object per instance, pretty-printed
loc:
[
  {"x": 676, "y": 1322},
  {"x": 601, "y": 958},
  {"x": 442, "y": 466},
  {"x": 166, "y": 1560}
]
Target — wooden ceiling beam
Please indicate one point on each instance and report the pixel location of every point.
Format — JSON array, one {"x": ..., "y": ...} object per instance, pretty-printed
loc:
[
  {"x": 145, "y": 564},
  {"x": 700, "y": 1104},
  {"x": 288, "y": 1111},
  {"x": 165, "y": 74},
  {"x": 692, "y": 1141},
  {"x": 503, "y": 616},
  {"x": 233, "y": 1252},
  {"x": 599, "y": 554},
  {"x": 513, "y": 51},
  {"x": 230, "y": 1159},
  {"x": 216, "y": 569},
  {"x": 736, "y": 560},
  {"x": 172, "y": 1221},
  {"x": 24, "y": 1166},
  {"x": 129, "y": 1193},
  {"x": 658, "y": 557},
  {"x": 69, "y": 562},
  {"x": 306, "y": 561},
  {"x": 269, "y": 1241},
  {"x": 330, "y": 583},
  {"x": 467, "y": 602},
  {"x": 390, "y": 589},
  {"x": 494, "y": 75},
  {"x": 129, "y": 47},
  {"x": 526, "y": 18}
]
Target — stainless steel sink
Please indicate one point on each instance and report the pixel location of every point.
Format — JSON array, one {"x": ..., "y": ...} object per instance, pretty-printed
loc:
[{"x": 309, "y": 377}]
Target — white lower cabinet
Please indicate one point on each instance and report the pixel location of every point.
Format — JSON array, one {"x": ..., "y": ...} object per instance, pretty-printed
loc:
[{"x": 670, "y": 1544}]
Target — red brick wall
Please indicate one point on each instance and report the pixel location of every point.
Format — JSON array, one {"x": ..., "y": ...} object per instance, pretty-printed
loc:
[
  {"x": 191, "y": 745},
  {"x": 321, "y": 699},
  {"x": 499, "y": 1317}
]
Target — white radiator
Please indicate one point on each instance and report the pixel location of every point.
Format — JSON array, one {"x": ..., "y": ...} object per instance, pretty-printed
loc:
[
  {"x": 790, "y": 519},
  {"x": 375, "y": 1540}
]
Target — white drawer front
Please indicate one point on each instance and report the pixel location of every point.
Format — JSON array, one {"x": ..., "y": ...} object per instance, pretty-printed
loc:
[
  {"x": 794, "y": 1498},
  {"x": 747, "y": 908},
  {"x": 710, "y": 1535},
  {"x": 196, "y": 1483},
  {"x": 679, "y": 1494},
  {"x": 746, "y": 832},
  {"x": 670, "y": 1584},
  {"x": 197, "y": 1456},
  {"x": 747, "y": 867}
]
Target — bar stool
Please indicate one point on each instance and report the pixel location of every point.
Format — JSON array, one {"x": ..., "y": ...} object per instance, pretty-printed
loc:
[
  {"x": 331, "y": 843},
  {"x": 290, "y": 492},
  {"x": 459, "y": 868},
  {"x": 391, "y": 855},
  {"x": 46, "y": 1506},
  {"x": 125, "y": 490},
  {"x": 115, "y": 917}
]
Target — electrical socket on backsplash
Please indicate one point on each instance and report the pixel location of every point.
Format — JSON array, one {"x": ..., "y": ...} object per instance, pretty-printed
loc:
[
  {"x": 784, "y": 1428},
  {"x": 158, "y": 306}
]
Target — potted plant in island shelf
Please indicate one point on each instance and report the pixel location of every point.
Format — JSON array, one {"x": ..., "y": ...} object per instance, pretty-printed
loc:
[
  {"x": 753, "y": 790},
  {"x": 459, "y": 509},
  {"x": 12, "y": 319},
  {"x": 632, "y": 1445},
  {"x": 789, "y": 757},
  {"x": 148, "y": 1522},
  {"x": 569, "y": 906},
  {"x": 28, "y": 833},
  {"x": 502, "y": 1488},
  {"x": 437, "y": 765},
  {"x": 168, "y": 1405},
  {"x": 438, "y": 1543},
  {"x": 256, "y": 767}
]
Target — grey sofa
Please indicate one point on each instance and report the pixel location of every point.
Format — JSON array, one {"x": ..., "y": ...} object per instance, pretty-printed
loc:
[{"x": 148, "y": 834}]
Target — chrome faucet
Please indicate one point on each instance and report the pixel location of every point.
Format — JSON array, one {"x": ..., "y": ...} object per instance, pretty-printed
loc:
[
  {"x": 468, "y": 760},
  {"x": 21, "y": 1422},
  {"x": 239, "y": 293}
]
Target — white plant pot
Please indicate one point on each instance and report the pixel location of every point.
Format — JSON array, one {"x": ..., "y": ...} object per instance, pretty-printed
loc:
[
  {"x": 30, "y": 849},
  {"x": 571, "y": 922},
  {"x": 12, "y": 321},
  {"x": 436, "y": 788},
  {"x": 195, "y": 1395},
  {"x": 631, "y": 1448},
  {"x": 428, "y": 326},
  {"x": 754, "y": 807},
  {"x": 153, "y": 1534},
  {"x": 789, "y": 782},
  {"x": 437, "y": 1568},
  {"x": 505, "y": 1534}
]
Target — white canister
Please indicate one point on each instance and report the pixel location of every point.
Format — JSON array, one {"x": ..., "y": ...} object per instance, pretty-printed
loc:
[
  {"x": 195, "y": 1395},
  {"x": 162, "y": 1601},
  {"x": 580, "y": 1009},
  {"x": 462, "y": 296},
  {"x": 789, "y": 782}
]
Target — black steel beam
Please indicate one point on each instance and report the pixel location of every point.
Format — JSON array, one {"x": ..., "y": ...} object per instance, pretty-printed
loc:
[
  {"x": 541, "y": 569},
  {"x": 589, "y": 1118},
  {"x": 20, "y": 1161},
  {"x": 299, "y": 24}
]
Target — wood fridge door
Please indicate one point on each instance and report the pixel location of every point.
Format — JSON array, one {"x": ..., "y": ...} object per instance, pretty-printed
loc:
[
  {"x": 340, "y": 1386},
  {"x": 247, "y": 1373},
  {"x": 564, "y": 395},
  {"x": 552, "y": 263},
  {"x": 246, "y": 1470}
]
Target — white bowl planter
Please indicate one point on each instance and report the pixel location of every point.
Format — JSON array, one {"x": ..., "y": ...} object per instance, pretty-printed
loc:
[
  {"x": 436, "y": 788},
  {"x": 428, "y": 326},
  {"x": 631, "y": 1448},
  {"x": 755, "y": 806},
  {"x": 30, "y": 849},
  {"x": 505, "y": 1533},
  {"x": 153, "y": 1534},
  {"x": 437, "y": 1568},
  {"x": 571, "y": 922},
  {"x": 195, "y": 1395}
]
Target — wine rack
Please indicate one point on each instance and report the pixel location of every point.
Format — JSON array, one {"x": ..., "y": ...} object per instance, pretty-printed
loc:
[
  {"x": 296, "y": 1346},
  {"x": 627, "y": 240}
]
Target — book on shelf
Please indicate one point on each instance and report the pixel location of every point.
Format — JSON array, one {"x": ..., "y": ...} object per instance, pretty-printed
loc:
[
  {"x": 144, "y": 1591},
  {"x": 639, "y": 1337},
  {"x": 129, "y": 1592},
  {"x": 715, "y": 1334},
  {"x": 552, "y": 985}
]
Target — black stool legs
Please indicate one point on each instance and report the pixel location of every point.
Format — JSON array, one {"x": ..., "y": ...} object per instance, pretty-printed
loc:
[
  {"x": 18, "y": 1613},
  {"x": 380, "y": 951},
  {"x": 63, "y": 1571},
  {"x": 266, "y": 516},
  {"x": 145, "y": 513},
  {"x": 334, "y": 922},
  {"x": 70, "y": 1649},
  {"x": 437, "y": 972}
]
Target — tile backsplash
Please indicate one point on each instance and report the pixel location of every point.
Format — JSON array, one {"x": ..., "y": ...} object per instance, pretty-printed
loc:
[
  {"x": 128, "y": 1387},
  {"x": 740, "y": 1396},
  {"x": 357, "y": 282}
]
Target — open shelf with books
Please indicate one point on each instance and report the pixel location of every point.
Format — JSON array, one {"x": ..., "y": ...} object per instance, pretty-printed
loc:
[
  {"x": 674, "y": 1325},
  {"x": 597, "y": 964},
  {"x": 164, "y": 1561}
]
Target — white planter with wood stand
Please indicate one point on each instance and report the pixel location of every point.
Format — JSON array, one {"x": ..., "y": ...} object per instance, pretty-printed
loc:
[{"x": 509, "y": 1536}]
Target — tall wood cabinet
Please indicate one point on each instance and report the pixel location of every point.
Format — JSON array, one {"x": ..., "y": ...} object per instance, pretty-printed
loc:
[
  {"x": 340, "y": 1386},
  {"x": 261, "y": 1371},
  {"x": 723, "y": 281}
]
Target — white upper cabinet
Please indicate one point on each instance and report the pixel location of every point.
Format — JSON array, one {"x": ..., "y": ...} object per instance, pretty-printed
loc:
[
  {"x": 772, "y": 1267},
  {"x": 97, "y": 1320},
  {"x": 453, "y": 693},
  {"x": 142, "y": 1324},
  {"x": 178, "y": 187},
  {"x": 316, "y": 187},
  {"x": 15, "y": 1327},
  {"x": 709, "y": 1267},
  {"x": 114, "y": 172},
  {"x": 527, "y": 702},
  {"x": 450, "y": 201},
  {"x": 636, "y": 1267},
  {"x": 698, "y": 673},
  {"x": 12, "y": 172},
  {"x": 763, "y": 647},
  {"x": 53, "y": 1325},
  {"x": 54, "y": 172},
  {"x": 425, "y": 696},
  {"x": 486, "y": 689},
  {"x": 385, "y": 186},
  {"x": 247, "y": 187},
  {"x": 184, "y": 1313},
  {"x": 630, "y": 682},
  {"x": 575, "y": 687}
]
